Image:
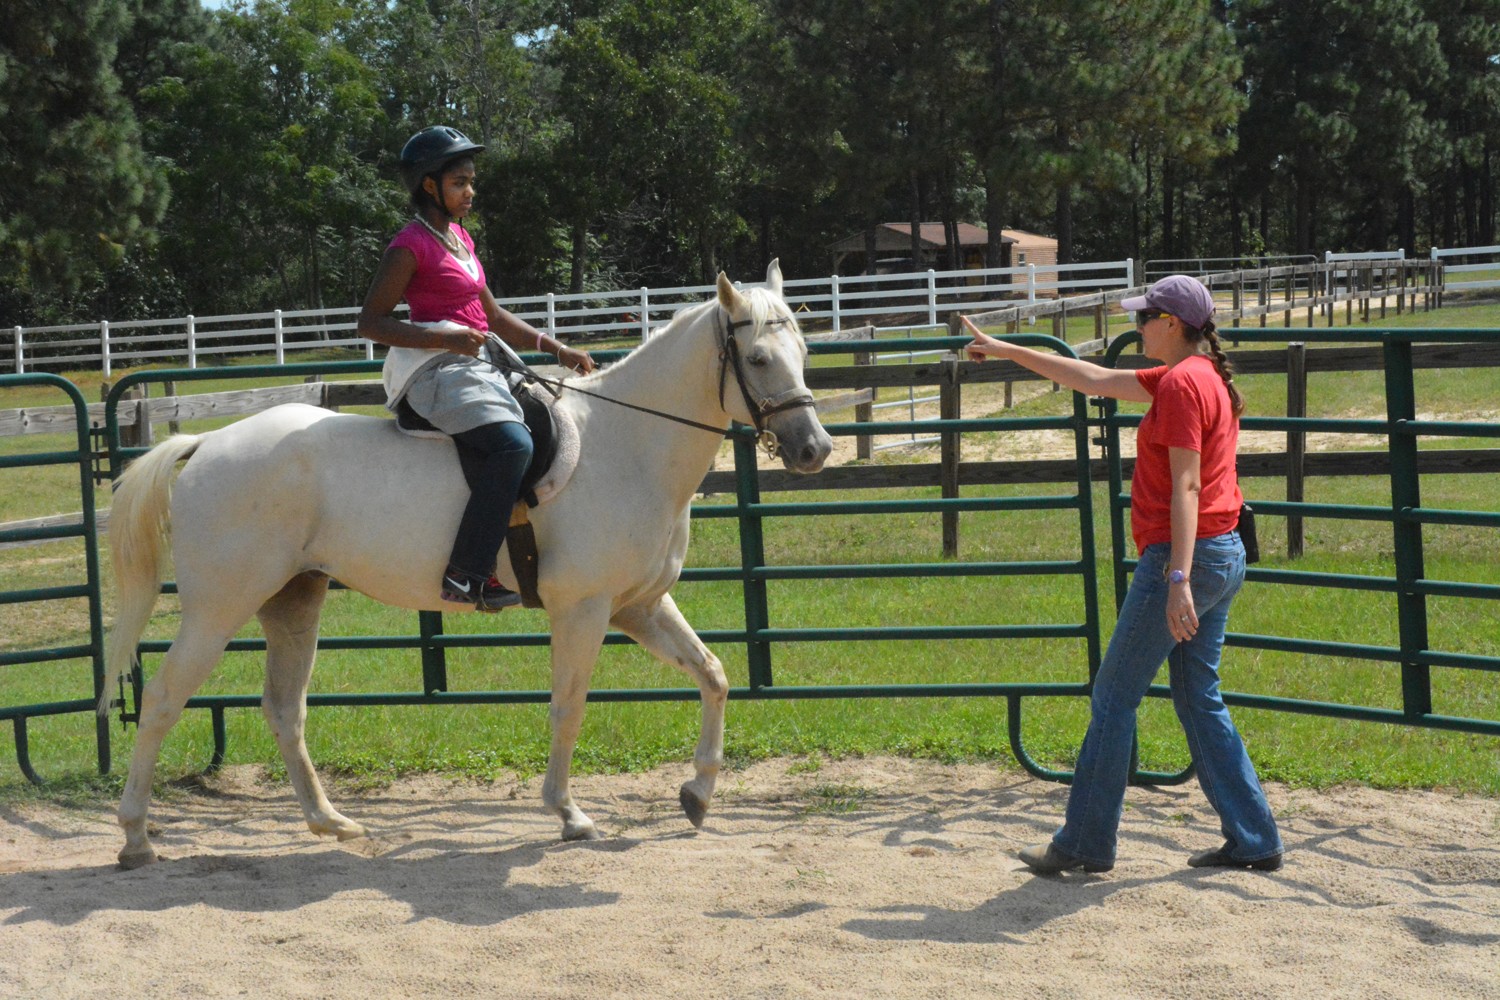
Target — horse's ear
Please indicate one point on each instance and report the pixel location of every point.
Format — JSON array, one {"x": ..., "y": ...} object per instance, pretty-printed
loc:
[
  {"x": 773, "y": 276},
  {"x": 729, "y": 296}
]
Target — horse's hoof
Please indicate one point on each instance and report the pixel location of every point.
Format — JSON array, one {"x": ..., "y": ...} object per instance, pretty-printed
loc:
[
  {"x": 695, "y": 807},
  {"x": 337, "y": 826},
  {"x": 583, "y": 831},
  {"x": 130, "y": 860}
]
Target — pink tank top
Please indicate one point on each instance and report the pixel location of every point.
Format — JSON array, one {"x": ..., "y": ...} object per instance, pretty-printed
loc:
[{"x": 441, "y": 288}]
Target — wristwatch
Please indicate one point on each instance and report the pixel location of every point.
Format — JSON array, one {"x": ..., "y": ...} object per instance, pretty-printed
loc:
[{"x": 1177, "y": 576}]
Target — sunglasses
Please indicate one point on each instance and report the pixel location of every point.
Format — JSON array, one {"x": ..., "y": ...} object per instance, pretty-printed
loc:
[{"x": 1145, "y": 316}]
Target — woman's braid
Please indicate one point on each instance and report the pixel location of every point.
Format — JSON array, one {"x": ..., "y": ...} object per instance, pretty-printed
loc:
[{"x": 1226, "y": 370}]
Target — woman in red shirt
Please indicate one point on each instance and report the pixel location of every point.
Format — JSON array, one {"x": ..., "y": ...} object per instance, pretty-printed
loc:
[{"x": 1184, "y": 507}]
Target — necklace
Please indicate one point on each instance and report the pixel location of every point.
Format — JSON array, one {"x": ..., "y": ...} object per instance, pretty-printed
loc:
[{"x": 445, "y": 237}]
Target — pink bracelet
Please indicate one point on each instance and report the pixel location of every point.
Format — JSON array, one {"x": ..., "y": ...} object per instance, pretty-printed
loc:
[{"x": 539, "y": 340}]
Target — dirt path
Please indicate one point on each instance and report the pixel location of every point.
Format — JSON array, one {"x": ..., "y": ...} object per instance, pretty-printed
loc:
[{"x": 877, "y": 878}]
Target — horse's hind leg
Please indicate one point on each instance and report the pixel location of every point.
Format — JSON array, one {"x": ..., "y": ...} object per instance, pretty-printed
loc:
[
  {"x": 192, "y": 656},
  {"x": 577, "y": 634},
  {"x": 661, "y": 629},
  {"x": 290, "y": 620}
]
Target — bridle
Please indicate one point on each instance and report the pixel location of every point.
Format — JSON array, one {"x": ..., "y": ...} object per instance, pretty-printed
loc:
[{"x": 730, "y": 359}]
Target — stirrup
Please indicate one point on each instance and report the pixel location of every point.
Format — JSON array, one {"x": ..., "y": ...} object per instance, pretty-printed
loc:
[{"x": 495, "y": 596}]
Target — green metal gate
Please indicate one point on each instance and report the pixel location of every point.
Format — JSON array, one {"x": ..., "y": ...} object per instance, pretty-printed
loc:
[
  {"x": 1409, "y": 585},
  {"x": 753, "y": 573},
  {"x": 93, "y": 651}
]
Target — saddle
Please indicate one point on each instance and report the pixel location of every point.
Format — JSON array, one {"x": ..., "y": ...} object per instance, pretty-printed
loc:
[{"x": 554, "y": 456}]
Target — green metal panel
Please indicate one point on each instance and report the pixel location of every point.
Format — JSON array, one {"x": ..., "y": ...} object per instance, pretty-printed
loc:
[
  {"x": 81, "y": 457},
  {"x": 1405, "y": 515}
]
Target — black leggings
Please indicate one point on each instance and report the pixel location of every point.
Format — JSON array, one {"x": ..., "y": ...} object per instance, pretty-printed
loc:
[{"x": 494, "y": 459}]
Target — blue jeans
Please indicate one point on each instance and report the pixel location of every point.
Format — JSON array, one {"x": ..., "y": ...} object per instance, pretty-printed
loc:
[
  {"x": 494, "y": 458},
  {"x": 1136, "y": 650}
]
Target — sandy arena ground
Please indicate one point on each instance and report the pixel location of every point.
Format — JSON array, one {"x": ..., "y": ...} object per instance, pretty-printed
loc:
[{"x": 861, "y": 879}]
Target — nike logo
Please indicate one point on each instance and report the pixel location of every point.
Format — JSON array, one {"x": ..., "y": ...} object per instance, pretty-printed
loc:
[{"x": 462, "y": 588}]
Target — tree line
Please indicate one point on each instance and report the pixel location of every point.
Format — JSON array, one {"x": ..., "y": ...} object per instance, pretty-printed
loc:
[{"x": 160, "y": 158}]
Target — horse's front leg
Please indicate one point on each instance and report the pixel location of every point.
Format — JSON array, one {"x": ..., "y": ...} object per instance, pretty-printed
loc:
[
  {"x": 660, "y": 628},
  {"x": 577, "y": 635}
]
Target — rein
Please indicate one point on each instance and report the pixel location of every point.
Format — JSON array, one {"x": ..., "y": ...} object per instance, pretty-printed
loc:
[
  {"x": 729, "y": 360},
  {"x": 554, "y": 385}
]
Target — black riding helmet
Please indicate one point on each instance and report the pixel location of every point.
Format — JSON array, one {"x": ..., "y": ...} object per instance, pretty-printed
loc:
[{"x": 430, "y": 150}]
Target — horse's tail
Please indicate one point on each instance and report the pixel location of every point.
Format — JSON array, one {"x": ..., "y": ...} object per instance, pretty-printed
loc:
[{"x": 139, "y": 519}]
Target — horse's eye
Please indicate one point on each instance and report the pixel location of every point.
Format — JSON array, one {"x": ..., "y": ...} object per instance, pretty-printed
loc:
[{"x": 758, "y": 359}]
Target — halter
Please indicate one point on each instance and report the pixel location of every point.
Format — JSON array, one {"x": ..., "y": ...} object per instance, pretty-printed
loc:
[{"x": 730, "y": 360}]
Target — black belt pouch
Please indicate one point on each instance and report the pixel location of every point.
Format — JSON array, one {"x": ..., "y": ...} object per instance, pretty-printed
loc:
[{"x": 1246, "y": 529}]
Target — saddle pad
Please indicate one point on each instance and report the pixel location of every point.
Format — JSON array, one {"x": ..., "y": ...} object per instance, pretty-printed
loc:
[
  {"x": 552, "y": 430},
  {"x": 565, "y": 455}
]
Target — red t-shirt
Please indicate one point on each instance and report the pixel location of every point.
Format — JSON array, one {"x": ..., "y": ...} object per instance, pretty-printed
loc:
[
  {"x": 1190, "y": 408},
  {"x": 441, "y": 288}
]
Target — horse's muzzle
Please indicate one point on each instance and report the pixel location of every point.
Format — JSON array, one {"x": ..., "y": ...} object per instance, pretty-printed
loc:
[{"x": 803, "y": 443}]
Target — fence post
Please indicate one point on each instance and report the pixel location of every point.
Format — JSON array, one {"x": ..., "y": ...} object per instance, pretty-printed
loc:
[
  {"x": 1406, "y": 495},
  {"x": 434, "y": 655},
  {"x": 104, "y": 357},
  {"x": 1129, "y": 272},
  {"x": 645, "y": 314},
  {"x": 932, "y": 298},
  {"x": 950, "y": 406},
  {"x": 552, "y": 315},
  {"x": 192, "y": 335},
  {"x": 170, "y": 388},
  {"x": 280, "y": 339},
  {"x": 1296, "y": 443},
  {"x": 752, "y": 558},
  {"x": 1030, "y": 282},
  {"x": 833, "y": 292},
  {"x": 1400, "y": 287},
  {"x": 864, "y": 413},
  {"x": 1329, "y": 284},
  {"x": 20, "y": 359},
  {"x": 138, "y": 433}
]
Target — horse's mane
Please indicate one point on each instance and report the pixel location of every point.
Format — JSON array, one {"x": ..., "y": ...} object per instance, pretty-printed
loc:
[{"x": 760, "y": 310}]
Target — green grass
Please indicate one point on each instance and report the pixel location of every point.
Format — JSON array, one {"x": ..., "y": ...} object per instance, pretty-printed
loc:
[{"x": 372, "y": 744}]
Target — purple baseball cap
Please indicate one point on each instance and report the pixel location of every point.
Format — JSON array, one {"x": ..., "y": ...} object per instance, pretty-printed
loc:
[{"x": 1178, "y": 294}]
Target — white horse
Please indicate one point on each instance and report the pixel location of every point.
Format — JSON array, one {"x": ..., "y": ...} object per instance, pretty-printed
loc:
[{"x": 267, "y": 510}]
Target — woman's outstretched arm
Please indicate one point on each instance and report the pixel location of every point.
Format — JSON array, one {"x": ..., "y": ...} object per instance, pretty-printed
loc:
[{"x": 1081, "y": 376}]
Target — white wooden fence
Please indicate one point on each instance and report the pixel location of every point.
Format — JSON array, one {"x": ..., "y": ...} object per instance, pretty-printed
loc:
[
  {"x": 1482, "y": 265},
  {"x": 822, "y": 303},
  {"x": 913, "y": 299}
]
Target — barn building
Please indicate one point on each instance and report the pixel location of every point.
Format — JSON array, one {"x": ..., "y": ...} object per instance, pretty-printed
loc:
[{"x": 893, "y": 250}]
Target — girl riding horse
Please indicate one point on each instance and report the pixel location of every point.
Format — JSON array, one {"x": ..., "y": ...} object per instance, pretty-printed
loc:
[{"x": 442, "y": 363}]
